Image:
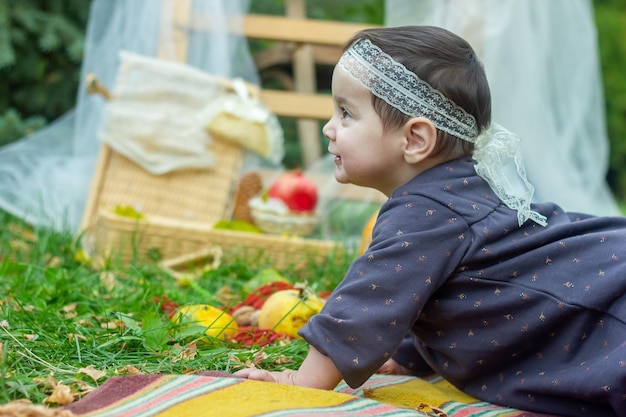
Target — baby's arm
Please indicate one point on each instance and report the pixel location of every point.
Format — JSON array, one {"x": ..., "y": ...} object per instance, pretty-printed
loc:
[{"x": 317, "y": 371}]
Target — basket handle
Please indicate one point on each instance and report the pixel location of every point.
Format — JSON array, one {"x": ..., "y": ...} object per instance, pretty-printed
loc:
[{"x": 94, "y": 86}]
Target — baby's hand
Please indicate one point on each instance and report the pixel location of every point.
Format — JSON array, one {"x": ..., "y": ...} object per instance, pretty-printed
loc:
[
  {"x": 393, "y": 367},
  {"x": 284, "y": 377},
  {"x": 317, "y": 371}
]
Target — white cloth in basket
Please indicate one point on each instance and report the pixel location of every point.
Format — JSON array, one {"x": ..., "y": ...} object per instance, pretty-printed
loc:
[{"x": 160, "y": 111}]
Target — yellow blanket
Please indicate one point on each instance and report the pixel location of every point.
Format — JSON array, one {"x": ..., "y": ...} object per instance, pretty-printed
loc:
[{"x": 204, "y": 395}]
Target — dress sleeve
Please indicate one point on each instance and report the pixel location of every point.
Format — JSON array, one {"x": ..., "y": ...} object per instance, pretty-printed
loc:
[{"x": 417, "y": 243}]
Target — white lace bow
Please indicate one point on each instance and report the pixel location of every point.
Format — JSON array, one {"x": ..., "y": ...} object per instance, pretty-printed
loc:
[{"x": 499, "y": 162}]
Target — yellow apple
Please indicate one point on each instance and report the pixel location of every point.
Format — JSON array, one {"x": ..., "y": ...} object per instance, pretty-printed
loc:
[
  {"x": 215, "y": 322},
  {"x": 286, "y": 311}
]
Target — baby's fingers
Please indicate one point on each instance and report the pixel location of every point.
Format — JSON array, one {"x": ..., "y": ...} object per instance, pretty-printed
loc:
[
  {"x": 255, "y": 374},
  {"x": 243, "y": 373}
]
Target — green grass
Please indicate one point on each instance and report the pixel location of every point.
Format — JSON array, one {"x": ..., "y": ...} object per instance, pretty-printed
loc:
[{"x": 64, "y": 322}]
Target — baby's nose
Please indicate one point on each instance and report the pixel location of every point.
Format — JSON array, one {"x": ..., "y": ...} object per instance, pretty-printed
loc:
[{"x": 327, "y": 131}]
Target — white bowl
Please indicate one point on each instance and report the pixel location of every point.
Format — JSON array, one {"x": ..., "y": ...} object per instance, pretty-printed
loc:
[{"x": 272, "y": 216}]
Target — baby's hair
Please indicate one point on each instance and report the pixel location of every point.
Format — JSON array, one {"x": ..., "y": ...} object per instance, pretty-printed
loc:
[{"x": 446, "y": 62}]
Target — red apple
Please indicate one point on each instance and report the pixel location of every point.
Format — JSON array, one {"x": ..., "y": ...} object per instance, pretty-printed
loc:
[{"x": 295, "y": 190}]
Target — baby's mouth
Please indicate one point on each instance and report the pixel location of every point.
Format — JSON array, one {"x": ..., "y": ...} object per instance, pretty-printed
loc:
[{"x": 337, "y": 159}]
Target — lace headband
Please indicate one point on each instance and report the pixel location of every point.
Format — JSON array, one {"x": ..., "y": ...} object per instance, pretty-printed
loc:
[
  {"x": 402, "y": 89},
  {"x": 496, "y": 150}
]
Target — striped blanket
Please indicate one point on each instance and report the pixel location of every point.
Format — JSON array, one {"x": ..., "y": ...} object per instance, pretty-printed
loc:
[{"x": 209, "y": 395}]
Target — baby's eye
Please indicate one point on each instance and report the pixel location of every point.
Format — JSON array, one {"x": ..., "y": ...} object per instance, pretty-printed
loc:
[{"x": 345, "y": 114}]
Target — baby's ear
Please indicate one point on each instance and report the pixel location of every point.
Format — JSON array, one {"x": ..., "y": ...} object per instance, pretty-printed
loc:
[{"x": 420, "y": 139}]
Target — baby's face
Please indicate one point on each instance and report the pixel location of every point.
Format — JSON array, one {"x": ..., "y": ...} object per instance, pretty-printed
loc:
[{"x": 363, "y": 154}]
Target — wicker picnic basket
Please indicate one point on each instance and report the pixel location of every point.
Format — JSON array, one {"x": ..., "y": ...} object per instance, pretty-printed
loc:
[
  {"x": 158, "y": 117},
  {"x": 179, "y": 210}
]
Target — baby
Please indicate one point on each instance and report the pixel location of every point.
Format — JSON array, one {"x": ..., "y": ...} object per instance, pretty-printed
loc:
[{"x": 515, "y": 303}]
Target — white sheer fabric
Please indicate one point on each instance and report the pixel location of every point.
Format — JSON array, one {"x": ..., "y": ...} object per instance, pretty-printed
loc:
[
  {"x": 45, "y": 177},
  {"x": 541, "y": 60}
]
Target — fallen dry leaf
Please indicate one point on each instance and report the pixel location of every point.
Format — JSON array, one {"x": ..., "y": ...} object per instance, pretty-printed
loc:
[
  {"x": 260, "y": 356},
  {"x": 189, "y": 352},
  {"x": 22, "y": 231},
  {"x": 72, "y": 336},
  {"x": 69, "y": 311},
  {"x": 84, "y": 387},
  {"x": 24, "y": 408},
  {"x": 92, "y": 372},
  {"x": 53, "y": 261},
  {"x": 18, "y": 245},
  {"x": 282, "y": 360},
  {"x": 108, "y": 280},
  {"x": 61, "y": 395},
  {"x": 128, "y": 370},
  {"x": 112, "y": 325}
]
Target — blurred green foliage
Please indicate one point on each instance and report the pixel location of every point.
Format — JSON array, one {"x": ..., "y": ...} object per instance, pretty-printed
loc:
[
  {"x": 41, "y": 46},
  {"x": 611, "y": 23}
]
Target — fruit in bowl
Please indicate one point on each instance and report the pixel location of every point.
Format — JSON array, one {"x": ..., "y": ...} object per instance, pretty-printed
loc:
[
  {"x": 287, "y": 206},
  {"x": 298, "y": 192}
]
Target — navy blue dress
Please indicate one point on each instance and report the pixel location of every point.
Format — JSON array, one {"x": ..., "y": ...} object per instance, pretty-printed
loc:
[{"x": 529, "y": 317}]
